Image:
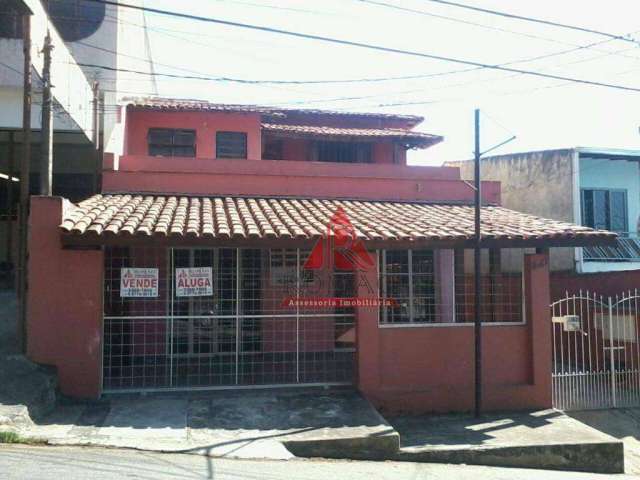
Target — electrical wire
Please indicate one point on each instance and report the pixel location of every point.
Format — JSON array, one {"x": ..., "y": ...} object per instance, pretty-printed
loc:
[
  {"x": 368, "y": 46},
  {"x": 613, "y": 36}
]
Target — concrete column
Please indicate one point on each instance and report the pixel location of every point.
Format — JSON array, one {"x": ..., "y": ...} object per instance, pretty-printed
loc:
[
  {"x": 537, "y": 299},
  {"x": 64, "y": 314},
  {"x": 368, "y": 333}
]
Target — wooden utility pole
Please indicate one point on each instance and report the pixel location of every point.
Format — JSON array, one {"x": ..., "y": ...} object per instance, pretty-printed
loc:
[
  {"x": 10, "y": 176},
  {"x": 97, "y": 170},
  {"x": 477, "y": 301},
  {"x": 25, "y": 167},
  {"x": 46, "y": 158}
]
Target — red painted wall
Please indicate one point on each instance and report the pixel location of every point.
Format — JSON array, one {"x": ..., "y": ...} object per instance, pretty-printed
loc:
[
  {"x": 603, "y": 283},
  {"x": 430, "y": 368},
  {"x": 64, "y": 312},
  {"x": 206, "y": 125},
  {"x": 286, "y": 178}
]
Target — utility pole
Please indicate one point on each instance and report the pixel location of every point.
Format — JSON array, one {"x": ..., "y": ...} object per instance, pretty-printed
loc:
[
  {"x": 24, "y": 184},
  {"x": 477, "y": 272},
  {"x": 10, "y": 174},
  {"x": 97, "y": 170},
  {"x": 46, "y": 159}
]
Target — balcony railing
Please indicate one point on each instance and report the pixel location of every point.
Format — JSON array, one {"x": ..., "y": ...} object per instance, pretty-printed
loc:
[{"x": 626, "y": 249}]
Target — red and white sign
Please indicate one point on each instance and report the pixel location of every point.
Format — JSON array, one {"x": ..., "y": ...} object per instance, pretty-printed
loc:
[
  {"x": 194, "y": 282},
  {"x": 139, "y": 282}
]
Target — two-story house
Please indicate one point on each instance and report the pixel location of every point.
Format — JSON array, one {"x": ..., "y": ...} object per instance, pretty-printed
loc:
[
  {"x": 240, "y": 246},
  {"x": 594, "y": 187}
]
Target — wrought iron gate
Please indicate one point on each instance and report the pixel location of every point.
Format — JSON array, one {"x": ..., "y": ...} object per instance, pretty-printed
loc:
[
  {"x": 596, "y": 355},
  {"x": 240, "y": 335}
]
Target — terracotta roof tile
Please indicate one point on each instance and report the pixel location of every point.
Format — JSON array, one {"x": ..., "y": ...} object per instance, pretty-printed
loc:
[
  {"x": 418, "y": 139},
  {"x": 177, "y": 104},
  {"x": 306, "y": 218}
]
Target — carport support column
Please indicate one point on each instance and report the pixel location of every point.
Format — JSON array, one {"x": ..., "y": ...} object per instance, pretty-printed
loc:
[
  {"x": 368, "y": 334},
  {"x": 538, "y": 317}
]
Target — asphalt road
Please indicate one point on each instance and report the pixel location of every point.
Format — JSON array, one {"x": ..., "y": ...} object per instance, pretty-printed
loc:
[{"x": 18, "y": 462}]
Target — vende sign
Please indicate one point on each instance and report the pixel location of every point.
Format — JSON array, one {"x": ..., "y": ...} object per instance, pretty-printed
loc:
[
  {"x": 139, "y": 282},
  {"x": 194, "y": 282}
]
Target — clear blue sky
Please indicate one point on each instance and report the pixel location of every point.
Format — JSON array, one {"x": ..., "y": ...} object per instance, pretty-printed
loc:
[{"x": 542, "y": 113}]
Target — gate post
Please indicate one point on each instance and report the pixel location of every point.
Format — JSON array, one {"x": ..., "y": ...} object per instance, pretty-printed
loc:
[
  {"x": 538, "y": 317},
  {"x": 612, "y": 357}
]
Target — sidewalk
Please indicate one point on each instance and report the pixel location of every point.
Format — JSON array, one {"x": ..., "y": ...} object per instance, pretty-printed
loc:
[
  {"x": 546, "y": 439},
  {"x": 282, "y": 424},
  {"x": 241, "y": 424}
]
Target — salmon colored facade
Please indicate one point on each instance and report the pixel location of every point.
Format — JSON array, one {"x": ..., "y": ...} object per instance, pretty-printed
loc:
[{"x": 418, "y": 367}]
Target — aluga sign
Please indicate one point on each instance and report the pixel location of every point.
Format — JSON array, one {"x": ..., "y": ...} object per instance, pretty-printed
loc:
[{"x": 194, "y": 282}]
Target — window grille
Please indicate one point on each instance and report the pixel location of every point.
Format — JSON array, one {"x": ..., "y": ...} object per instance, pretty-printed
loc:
[
  {"x": 243, "y": 334},
  {"x": 231, "y": 145},
  {"x": 344, "y": 152},
  {"x": 171, "y": 142},
  {"x": 437, "y": 286}
]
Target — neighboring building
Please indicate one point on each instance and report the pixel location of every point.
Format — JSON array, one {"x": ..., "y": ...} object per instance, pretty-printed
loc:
[
  {"x": 83, "y": 33},
  {"x": 598, "y": 188},
  {"x": 239, "y": 246}
]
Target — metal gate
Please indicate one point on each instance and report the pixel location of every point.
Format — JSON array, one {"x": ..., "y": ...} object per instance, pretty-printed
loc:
[
  {"x": 241, "y": 335},
  {"x": 596, "y": 355}
]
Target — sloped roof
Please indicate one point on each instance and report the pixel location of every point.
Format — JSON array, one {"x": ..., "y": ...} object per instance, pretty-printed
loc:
[
  {"x": 150, "y": 216},
  {"x": 156, "y": 103},
  {"x": 417, "y": 139}
]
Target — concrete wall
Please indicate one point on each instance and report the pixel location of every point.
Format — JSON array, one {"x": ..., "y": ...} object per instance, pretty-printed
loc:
[
  {"x": 539, "y": 183},
  {"x": 287, "y": 178},
  {"x": 64, "y": 303},
  {"x": 422, "y": 369}
]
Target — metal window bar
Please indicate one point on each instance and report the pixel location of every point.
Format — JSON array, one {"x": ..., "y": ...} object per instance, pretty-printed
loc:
[
  {"x": 241, "y": 336},
  {"x": 437, "y": 286}
]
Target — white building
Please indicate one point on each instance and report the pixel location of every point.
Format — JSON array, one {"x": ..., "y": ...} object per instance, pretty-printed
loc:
[{"x": 92, "y": 42}]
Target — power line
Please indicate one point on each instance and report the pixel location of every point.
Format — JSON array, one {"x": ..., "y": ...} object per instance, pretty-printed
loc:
[
  {"x": 368, "y": 46},
  {"x": 613, "y": 36},
  {"x": 465, "y": 22}
]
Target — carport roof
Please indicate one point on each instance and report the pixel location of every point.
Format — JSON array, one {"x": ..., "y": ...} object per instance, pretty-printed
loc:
[{"x": 103, "y": 218}]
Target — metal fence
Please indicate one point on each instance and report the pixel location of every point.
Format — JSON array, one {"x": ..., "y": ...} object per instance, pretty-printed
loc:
[
  {"x": 596, "y": 358},
  {"x": 235, "y": 332}
]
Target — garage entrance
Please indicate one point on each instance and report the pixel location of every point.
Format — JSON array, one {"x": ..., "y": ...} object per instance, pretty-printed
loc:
[{"x": 200, "y": 318}]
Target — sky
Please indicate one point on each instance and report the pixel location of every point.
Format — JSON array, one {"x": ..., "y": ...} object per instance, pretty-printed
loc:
[{"x": 541, "y": 113}]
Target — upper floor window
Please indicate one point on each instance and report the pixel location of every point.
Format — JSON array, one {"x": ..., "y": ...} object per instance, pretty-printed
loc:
[
  {"x": 231, "y": 145},
  {"x": 343, "y": 152},
  {"x": 273, "y": 149},
  {"x": 605, "y": 209},
  {"x": 172, "y": 142}
]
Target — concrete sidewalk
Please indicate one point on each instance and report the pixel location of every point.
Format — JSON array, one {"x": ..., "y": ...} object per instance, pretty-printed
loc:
[
  {"x": 339, "y": 424},
  {"x": 240, "y": 424},
  {"x": 546, "y": 439}
]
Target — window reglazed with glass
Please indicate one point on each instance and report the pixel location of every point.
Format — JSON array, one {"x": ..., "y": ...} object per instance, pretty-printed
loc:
[
  {"x": 171, "y": 142},
  {"x": 605, "y": 209}
]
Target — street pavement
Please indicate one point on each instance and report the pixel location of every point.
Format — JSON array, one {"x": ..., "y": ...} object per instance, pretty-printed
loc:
[{"x": 23, "y": 462}]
